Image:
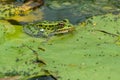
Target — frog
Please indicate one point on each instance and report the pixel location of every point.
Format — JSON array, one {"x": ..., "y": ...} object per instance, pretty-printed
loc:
[
  {"x": 18, "y": 9},
  {"x": 46, "y": 29}
]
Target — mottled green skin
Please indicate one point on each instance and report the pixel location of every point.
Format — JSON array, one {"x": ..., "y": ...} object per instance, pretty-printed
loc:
[{"x": 47, "y": 29}]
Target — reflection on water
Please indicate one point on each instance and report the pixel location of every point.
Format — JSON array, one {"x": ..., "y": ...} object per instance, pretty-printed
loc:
[{"x": 71, "y": 14}]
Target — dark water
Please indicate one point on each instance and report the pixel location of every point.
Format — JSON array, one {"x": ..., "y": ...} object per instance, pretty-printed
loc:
[
  {"x": 71, "y": 14},
  {"x": 77, "y": 11}
]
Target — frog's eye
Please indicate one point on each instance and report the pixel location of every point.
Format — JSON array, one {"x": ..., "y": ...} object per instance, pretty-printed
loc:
[{"x": 61, "y": 25}]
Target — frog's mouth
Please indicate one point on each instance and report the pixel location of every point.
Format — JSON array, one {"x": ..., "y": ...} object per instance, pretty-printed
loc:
[{"x": 63, "y": 31}]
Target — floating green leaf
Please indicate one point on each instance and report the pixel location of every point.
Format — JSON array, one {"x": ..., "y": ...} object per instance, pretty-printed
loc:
[{"x": 89, "y": 53}]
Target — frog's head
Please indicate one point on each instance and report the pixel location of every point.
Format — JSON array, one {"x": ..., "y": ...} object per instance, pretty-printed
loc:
[
  {"x": 64, "y": 23},
  {"x": 64, "y": 27}
]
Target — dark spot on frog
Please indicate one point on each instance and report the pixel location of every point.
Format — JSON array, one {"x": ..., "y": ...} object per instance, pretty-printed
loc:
[{"x": 50, "y": 26}]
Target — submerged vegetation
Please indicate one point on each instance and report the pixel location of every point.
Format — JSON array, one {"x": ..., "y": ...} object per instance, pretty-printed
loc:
[{"x": 89, "y": 51}]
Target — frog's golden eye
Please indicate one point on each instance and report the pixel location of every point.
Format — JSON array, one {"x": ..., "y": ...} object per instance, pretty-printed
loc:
[{"x": 61, "y": 25}]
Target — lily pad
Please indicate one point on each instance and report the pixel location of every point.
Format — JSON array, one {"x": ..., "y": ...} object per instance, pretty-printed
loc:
[{"x": 87, "y": 53}]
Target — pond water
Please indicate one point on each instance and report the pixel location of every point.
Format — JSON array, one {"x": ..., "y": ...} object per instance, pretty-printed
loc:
[{"x": 78, "y": 10}]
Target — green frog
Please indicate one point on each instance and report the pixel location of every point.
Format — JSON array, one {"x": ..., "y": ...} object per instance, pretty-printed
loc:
[{"x": 46, "y": 29}]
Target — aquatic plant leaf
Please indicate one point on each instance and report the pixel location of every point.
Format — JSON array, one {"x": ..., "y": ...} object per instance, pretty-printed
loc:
[{"x": 87, "y": 53}]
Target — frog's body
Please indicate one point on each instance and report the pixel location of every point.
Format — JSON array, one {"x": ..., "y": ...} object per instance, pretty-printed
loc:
[{"x": 47, "y": 29}]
